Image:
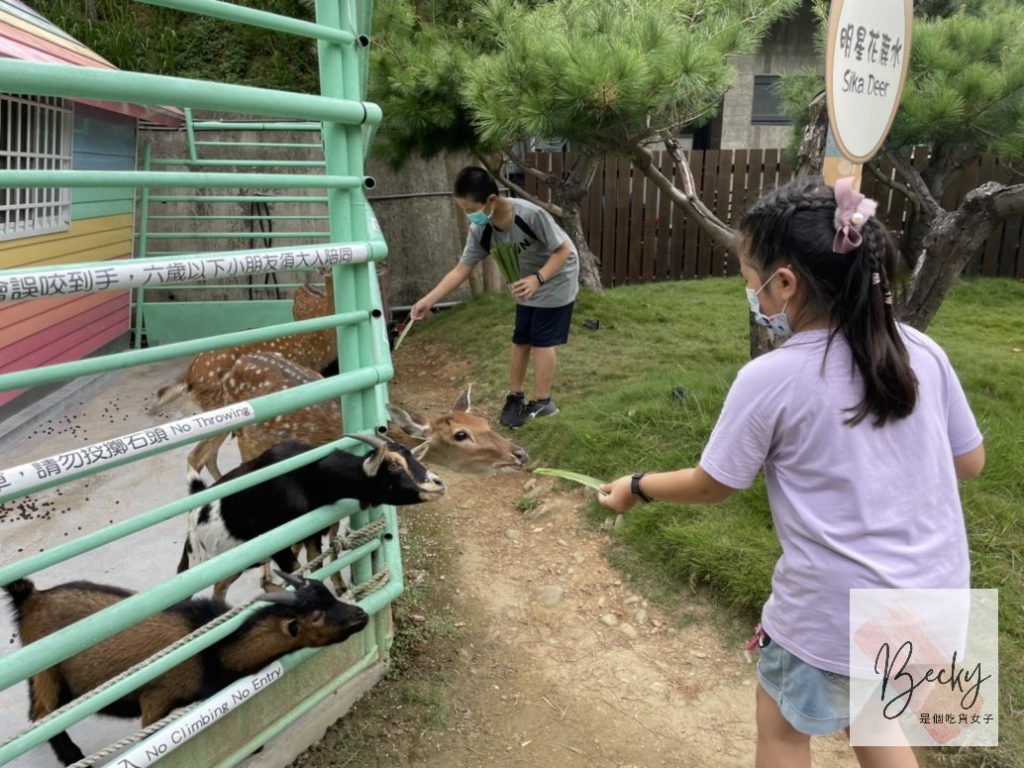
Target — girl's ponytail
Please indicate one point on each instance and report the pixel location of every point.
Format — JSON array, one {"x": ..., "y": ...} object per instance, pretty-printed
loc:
[{"x": 797, "y": 225}]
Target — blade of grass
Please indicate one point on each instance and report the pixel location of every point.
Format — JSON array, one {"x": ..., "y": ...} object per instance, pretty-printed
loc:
[{"x": 575, "y": 477}]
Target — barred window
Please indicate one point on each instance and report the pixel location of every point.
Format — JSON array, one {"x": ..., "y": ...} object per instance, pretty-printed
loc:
[{"x": 35, "y": 135}]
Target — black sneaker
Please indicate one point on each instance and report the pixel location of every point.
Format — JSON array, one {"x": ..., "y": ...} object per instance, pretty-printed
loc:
[
  {"x": 537, "y": 408},
  {"x": 512, "y": 413}
]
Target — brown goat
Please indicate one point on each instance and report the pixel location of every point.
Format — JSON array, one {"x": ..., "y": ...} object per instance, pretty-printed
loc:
[{"x": 310, "y": 617}]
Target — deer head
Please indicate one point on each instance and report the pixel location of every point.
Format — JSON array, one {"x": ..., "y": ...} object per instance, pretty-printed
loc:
[
  {"x": 458, "y": 440},
  {"x": 462, "y": 441}
]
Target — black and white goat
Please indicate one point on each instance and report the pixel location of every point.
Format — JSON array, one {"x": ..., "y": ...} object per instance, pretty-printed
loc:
[
  {"x": 309, "y": 617},
  {"x": 392, "y": 474}
]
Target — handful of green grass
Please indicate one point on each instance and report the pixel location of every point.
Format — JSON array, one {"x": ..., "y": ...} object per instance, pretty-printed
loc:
[
  {"x": 506, "y": 256},
  {"x": 576, "y": 477}
]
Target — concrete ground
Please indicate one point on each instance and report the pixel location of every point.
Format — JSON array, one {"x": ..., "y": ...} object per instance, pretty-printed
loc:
[{"x": 108, "y": 406}]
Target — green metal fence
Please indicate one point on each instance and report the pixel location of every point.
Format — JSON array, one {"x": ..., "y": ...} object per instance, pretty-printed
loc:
[{"x": 352, "y": 245}]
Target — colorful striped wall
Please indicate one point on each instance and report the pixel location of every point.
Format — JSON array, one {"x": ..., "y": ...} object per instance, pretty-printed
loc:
[{"x": 47, "y": 331}]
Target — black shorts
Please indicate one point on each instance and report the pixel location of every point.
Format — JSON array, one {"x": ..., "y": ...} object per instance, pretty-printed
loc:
[{"x": 542, "y": 326}]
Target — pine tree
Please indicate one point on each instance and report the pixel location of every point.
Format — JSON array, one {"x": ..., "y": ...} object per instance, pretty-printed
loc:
[
  {"x": 964, "y": 98},
  {"x": 605, "y": 75}
]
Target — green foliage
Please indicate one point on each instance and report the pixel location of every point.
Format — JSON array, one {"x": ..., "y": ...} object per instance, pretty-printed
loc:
[
  {"x": 601, "y": 73},
  {"x": 610, "y": 73},
  {"x": 623, "y": 408},
  {"x": 143, "y": 38},
  {"x": 965, "y": 88}
]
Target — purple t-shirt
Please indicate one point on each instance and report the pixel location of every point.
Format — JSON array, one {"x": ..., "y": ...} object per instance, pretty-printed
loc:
[{"x": 854, "y": 507}]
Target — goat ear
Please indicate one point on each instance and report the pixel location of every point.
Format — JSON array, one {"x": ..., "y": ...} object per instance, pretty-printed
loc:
[
  {"x": 372, "y": 463},
  {"x": 464, "y": 402},
  {"x": 420, "y": 451},
  {"x": 412, "y": 424},
  {"x": 290, "y": 627}
]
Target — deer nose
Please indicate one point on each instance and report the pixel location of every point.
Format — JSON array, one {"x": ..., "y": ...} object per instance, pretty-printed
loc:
[{"x": 521, "y": 455}]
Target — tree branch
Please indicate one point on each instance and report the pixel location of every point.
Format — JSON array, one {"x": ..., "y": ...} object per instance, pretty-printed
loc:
[
  {"x": 551, "y": 208},
  {"x": 915, "y": 183},
  {"x": 687, "y": 199},
  {"x": 1008, "y": 201},
  {"x": 547, "y": 178},
  {"x": 895, "y": 186}
]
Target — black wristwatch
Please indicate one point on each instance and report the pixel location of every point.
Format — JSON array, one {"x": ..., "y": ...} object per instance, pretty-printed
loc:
[{"x": 634, "y": 487}]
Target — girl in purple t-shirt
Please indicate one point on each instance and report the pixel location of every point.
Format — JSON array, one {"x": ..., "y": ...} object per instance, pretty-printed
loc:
[{"x": 862, "y": 429}]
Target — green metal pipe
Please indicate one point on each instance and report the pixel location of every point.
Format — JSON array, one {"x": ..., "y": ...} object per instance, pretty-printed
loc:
[
  {"x": 250, "y": 162},
  {"x": 140, "y": 292},
  {"x": 229, "y": 125},
  {"x": 256, "y": 18},
  {"x": 262, "y": 145},
  {"x": 156, "y": 90},
  {"x": 189, "y": 133},
  {"x": 238, "y": 198},
  {"x": 235, "y": 235},
  {"x": 168, "y": 179},
  {"x": 51, "y": 374},
  {"x": 206, "y": 424},
  {"x": 97, "y": 277},
  {"x": 222, "y": 286},
  {"x": 271, "y": 217}
]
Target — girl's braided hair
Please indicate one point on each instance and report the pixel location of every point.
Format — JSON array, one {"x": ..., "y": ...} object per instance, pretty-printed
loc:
[{"x": 795, "y": 225}]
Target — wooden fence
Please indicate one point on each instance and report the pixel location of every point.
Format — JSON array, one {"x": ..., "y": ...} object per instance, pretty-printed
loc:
[{"x": 639, "y": 236}]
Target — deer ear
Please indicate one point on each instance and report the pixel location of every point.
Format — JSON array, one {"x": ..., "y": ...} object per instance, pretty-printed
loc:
[
  {"x": 372, "y": 463},
  {"x": 420, "y": 451},
  {"x": 463, "y": 404},
  {"x": 412, "y": 424}
]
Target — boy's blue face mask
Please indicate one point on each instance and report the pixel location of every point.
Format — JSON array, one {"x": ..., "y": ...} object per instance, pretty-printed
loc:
[
  {"x": 479, "y": 217},
  {"x": 777, "y": 324}
]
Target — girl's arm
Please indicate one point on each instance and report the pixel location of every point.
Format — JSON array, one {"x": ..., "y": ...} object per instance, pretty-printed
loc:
[
  {"x": 683, "y": 486},
  {"x": 970, "y": 464}
]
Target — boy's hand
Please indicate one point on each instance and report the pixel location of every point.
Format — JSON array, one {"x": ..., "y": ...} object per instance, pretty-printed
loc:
[
  {"x": 617, "y": 495},
  {"x": 420, "y": 309},
  {"x": 525, "y": 288}
]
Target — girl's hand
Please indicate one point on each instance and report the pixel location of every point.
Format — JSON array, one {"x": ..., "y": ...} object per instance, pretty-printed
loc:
[
  {"x": 617, "y": 494},
  {"x": 525, "y": 288}
]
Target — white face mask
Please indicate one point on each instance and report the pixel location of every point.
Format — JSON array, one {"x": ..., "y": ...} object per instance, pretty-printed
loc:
[{"x": 777, "y": 324}]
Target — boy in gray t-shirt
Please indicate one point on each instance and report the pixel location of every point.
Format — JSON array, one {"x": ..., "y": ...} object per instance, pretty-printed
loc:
[{"x": 545, "y": 292}]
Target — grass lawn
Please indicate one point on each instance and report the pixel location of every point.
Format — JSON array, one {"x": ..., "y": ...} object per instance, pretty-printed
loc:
[{"x": 644, "y": 390}]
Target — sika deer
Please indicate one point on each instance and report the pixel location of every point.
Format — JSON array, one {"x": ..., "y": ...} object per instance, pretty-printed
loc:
[
  {"x": 458, "y": 440},
  {"x": 203, "y": 379}
]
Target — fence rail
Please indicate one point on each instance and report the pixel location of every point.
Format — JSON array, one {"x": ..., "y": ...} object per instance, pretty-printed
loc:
[{"x": 639, "y": 236}]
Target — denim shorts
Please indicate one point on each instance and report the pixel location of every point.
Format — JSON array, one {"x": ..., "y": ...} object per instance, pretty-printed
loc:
[
  {"x": 812, "y": 700},
  {"x": 542, "y": 326}
]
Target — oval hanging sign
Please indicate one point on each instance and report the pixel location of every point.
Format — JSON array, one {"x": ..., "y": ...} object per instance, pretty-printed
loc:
[{"x": 865, "y": 68}]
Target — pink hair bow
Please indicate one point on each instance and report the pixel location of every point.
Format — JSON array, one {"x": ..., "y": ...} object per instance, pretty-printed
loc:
[{"x": 852, "y": 210}]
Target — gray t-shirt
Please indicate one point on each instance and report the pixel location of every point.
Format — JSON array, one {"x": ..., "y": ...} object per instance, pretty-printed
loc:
[{"x": 559, "y": 289}]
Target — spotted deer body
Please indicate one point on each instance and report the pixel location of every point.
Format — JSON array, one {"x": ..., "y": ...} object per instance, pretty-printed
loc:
[
  {"x": 458, "y": 440},
  {"x": 204, "y": 379}
]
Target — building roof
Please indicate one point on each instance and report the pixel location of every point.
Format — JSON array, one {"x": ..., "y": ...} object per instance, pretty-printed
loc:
[{"x": 26, "y": 35}]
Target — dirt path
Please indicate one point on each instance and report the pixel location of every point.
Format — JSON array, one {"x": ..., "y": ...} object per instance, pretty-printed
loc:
[{"x": 525, "y": 648}]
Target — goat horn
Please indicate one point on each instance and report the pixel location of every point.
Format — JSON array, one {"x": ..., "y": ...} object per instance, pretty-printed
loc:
[
  {"x": 371, "y": 440},
  {"x": 295, "y": 581},
  {"x": 284, "y": 597}
]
